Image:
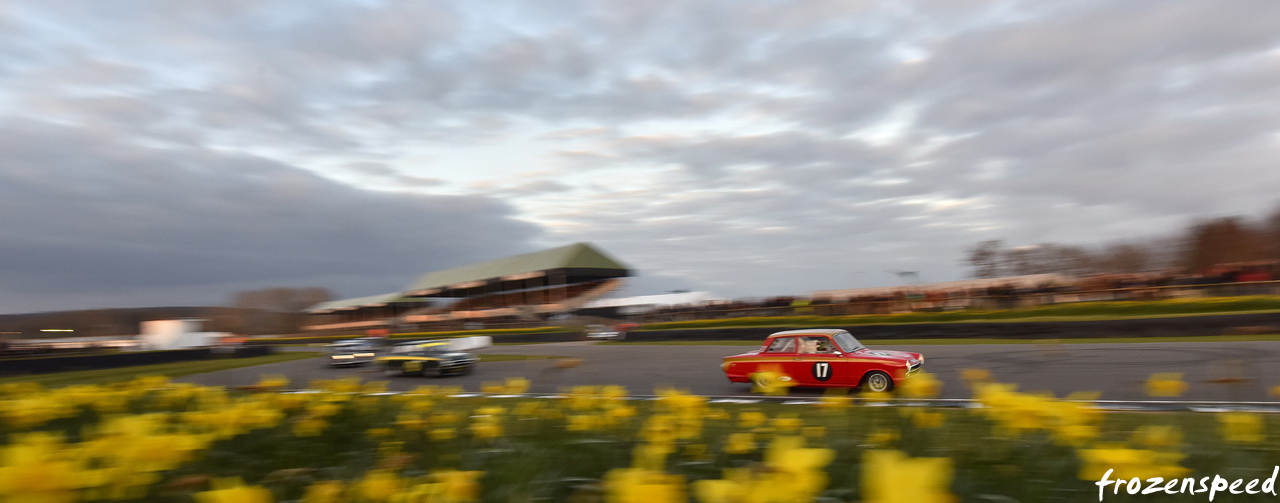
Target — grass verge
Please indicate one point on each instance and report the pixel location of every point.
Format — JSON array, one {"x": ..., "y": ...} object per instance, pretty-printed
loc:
[{"x": 175, "y": 369}]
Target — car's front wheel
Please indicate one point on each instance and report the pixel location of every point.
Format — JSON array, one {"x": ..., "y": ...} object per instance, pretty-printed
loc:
[{"x": 877, "y": 381}]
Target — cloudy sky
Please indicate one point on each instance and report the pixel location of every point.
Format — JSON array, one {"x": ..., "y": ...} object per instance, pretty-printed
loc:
[{"x": 173, "y": 153}]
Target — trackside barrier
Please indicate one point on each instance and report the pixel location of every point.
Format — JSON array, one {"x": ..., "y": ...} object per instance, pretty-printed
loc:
[{"x": 47, "y": 364}]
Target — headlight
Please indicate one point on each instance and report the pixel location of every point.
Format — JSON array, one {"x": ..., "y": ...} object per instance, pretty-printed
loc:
[
  {"x": 365, "y": 355},
  {"x": 342, "y": 357}
]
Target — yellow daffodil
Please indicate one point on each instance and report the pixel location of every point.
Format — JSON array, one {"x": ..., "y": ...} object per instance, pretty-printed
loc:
[
  {"x": 882, "y": 437},
  {"x": 444, "y": 418},
  {"x": 635, "y": 485},
  {"x": 527, "y": 409},
  {"x": 486, "y": 429},
  {"x": 620, "y": 412},
  {"x": 1155, "y": 436},
  {"x": 927, "y": 419},
  {"x": 1075, "y": 434},
  {"x": 891, "y": 476},
  {"x": 921, "y": 385},
  {"x": 1165, "y": 384},
  {"x": 975, "y": 376},
  {"x": 272, "y": 382},
  {"x": 234, "y": 491},
  {"x": 379, "y": 485},
  {"x": 1129, "y": 463},
  {"x": 739, "y": 443},
  {"x": 440, "y": 434},
  {"x": 771, "y": 382},
  {"x": 1241, "y": 427},
  {"x": 329, "y": 491},
  {"x": 410, "y": 422},
  {"x": 651, "y": 456},
  {"x": 833, "y": 401},
  {"x": 581, "y": 422},
  {"x": 751, "y": 419},
  {"x": 309, "y": 427},
  {"x": 445, "y": 487},
  {"x": 516, "y": 385},
  {"x": 660, "y": 429},
  {"x": 716, "y": 414},
  {"x": 613, "y": 392},
  {"x": 38, "y": 467},
  {"x": 800, "y": 467},
  {"x": 787, "y": 424}
]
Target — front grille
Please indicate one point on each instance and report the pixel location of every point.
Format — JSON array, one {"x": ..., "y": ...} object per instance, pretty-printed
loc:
[
  {"x": 915, "y": 367},
  {"x": 457, "y": 363}
]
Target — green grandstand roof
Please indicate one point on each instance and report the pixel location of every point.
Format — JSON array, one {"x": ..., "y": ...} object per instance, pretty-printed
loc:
[
  {"x": 358, "y": 302},
  {"x": 574, "y": 256}
]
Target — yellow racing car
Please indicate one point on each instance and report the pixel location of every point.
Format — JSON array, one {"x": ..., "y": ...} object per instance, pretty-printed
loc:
[{"x": 426, "y": 358}]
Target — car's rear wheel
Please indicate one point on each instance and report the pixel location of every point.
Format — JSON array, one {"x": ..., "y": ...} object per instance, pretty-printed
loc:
[{"x": 877, "y": 381}]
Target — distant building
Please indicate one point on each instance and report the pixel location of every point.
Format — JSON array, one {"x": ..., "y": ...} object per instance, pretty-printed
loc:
[
  {"x": 521, "y": 288},
  {"x": 626, "y": 306},
  {"x": 176, "y": 334}
]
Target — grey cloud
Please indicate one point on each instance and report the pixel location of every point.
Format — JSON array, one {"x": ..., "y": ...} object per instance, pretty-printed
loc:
[
  {"x": 536, "y": 187},
  {"x": 419, "y": 181},
  {"x": 578, "y": 134},
  {"x": 371, "y": 168},
  {"x": 112, "y": 215},
  {"x": 809, "y": 161},
  {"x": 1052, "y": 121}
]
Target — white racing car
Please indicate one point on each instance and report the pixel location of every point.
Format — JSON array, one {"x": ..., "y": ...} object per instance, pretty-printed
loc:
[{"x": 353, "y": 352}]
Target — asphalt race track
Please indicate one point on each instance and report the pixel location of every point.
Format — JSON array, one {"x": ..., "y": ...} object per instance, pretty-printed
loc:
[{"x": 1229, "y": 371}]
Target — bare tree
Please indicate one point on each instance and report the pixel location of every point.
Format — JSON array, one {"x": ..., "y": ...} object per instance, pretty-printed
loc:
[
  {"x": 1124, "y": 258},
  {"x": 1021, "y": 260},
  {"x": 1072, "y": 260},
  {"x": 1224, "y": 241},
  {"x": 985, "y": 259},
  {"x": 1272, "y": 230}
]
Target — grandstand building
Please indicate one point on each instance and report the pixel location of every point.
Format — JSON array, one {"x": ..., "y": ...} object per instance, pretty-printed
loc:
[{"x": 518, "y": 290}]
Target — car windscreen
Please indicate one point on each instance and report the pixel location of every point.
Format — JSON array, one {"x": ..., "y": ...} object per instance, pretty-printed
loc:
[
  {"x": 421, "y": 350},
  {"x": 847, "y": 342}
]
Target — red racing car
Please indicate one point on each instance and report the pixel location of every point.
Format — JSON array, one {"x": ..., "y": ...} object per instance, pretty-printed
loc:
[{"x": 822, "y": 357}]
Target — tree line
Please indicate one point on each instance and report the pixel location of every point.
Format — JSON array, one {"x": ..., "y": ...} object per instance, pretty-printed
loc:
[
  {"x": 1200, "y": 248},
  {"x": 252, "y": 312}
]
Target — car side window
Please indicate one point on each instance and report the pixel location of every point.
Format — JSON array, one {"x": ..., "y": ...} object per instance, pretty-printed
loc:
[
  {"x": 782, "y": 345},
  {"x": 815, "y": 345}
]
